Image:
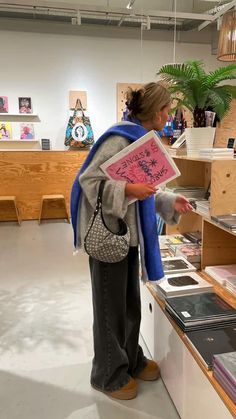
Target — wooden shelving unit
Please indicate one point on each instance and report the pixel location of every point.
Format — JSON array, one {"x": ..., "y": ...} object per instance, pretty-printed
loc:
[{"x": 183, "y": 371}]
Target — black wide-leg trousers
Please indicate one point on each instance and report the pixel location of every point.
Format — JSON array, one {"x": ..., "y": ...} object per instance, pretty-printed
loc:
[{"x": 117, "y": 316}]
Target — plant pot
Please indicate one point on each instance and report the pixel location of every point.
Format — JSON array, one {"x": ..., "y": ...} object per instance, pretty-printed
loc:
[{"x": 199, "y": 138}]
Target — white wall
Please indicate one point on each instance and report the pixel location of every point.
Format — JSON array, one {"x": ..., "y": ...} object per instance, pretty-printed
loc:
[{"x": 46, "y": 66}]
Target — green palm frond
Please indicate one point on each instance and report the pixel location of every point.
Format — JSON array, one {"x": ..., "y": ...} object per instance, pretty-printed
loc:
[
  {"x": 198, "y": 89},
  {"x": 220, "y": 74},
  {"x": 197, "y": 67},
  {"x": 175, "y": 73},
  {"x": 220, "y": 99}
]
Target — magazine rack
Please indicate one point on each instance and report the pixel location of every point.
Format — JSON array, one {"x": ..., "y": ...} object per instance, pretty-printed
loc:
[{"x": 185, "y": 376}]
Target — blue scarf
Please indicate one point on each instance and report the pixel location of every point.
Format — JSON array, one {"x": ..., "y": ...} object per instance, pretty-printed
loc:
[{"x": 150, "y": 252}]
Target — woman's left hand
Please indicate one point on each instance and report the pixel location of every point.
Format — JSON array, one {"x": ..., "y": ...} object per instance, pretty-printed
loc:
[{"x": 182, "y": 205}]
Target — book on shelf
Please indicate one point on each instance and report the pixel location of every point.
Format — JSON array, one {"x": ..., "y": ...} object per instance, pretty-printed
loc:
[
  {"x": 166, "y": 240},
  {"x": 194, "y": 236},
  {"x": 180, "y": 142},
  {"x": 178, "y": 151},
  {"x": 224, "y": 370},
  {"x": 190, "y": 251},
  {"x": 175, "y": 264},
  {"x": 221, "y": 273},
  {"x": 211, "y": 342},
  {"x": 217, "y": 153},
  {"x": 165, "y": 253},
  {"x": 203, "y": 206},
  {"x": 187, "y": 191},
  {"x": 230, "y": 284},
  {"x": 226, "y": 220},
  {"x": 200, "y": 311},
  {"x": 182, "y": 284},
  {"x": 144, "y": 161}
]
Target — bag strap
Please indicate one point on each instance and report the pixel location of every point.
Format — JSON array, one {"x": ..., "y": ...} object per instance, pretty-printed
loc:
[
  {"x": 79, "y": 107},
  {"x": 100, "y": 192}
]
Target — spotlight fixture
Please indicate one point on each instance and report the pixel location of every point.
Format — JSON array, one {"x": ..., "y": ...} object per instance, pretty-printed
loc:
[{"x": 130, "y": 4}]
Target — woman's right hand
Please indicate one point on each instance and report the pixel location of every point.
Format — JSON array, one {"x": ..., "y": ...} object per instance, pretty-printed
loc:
[{"x": 139, "y": 191}]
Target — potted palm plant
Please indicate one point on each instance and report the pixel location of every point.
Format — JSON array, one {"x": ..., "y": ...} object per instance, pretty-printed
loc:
[{"x": 199, "y": 92}]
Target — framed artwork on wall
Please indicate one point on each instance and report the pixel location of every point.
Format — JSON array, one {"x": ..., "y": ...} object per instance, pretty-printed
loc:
[
  {"x": 5, "y": 131},
  {"x": 3, "y": 104},
  {"x": 26, "y": 131},
  {"x": 25, "y": 105}
]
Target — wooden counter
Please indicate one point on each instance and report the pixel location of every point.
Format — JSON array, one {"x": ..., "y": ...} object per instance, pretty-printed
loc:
[{"x": 30, "y": 174}]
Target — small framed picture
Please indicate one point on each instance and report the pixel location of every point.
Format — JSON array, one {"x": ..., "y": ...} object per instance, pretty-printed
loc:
[
  {"x": 25, "y": 105},
  {"x": 3, "y": 104},
  {"x": 5, "y": 131},
  {"x": 27, "y": 131}
]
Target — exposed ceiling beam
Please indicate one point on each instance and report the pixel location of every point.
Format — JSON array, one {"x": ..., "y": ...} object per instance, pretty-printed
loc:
[
  {"x": 103, "y": 9},
  {"x": 218, "y": 14}
]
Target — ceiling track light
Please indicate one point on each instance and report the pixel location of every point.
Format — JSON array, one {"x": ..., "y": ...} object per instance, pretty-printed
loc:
[{"x": 130, "y": 4}]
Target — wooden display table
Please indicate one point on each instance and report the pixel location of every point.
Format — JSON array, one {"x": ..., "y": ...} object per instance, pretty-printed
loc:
[{"x": 30, "y": 174}]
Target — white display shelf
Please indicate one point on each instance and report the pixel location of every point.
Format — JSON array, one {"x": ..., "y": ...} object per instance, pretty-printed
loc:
[
  {"x": 31, "y": 115},
  {"x": 18, "y": 141}
]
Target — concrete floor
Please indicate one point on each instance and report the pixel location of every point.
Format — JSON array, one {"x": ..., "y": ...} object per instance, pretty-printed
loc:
[{"x": 46, "y": 333}]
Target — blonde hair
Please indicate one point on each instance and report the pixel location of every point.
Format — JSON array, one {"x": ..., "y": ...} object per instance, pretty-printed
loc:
[{"x": 145, "y": 102}]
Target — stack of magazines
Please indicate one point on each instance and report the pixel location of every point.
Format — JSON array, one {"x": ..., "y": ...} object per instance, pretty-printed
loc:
[
  {"x": 223, "y": 274},
  {"x": 191, "y": 251},
  {"x": 210, "y": 342},
  {"x": 176, "y": 264},
  {"x": 182, "y": 284},
  {"x": 224, "y": 371},
  {"x": 226, "y": 220},
  {"x": 188, "y": 191},
  {"x": 203, "y": 206},
  {"x": 217, "y": 153},
  {"x": 200, "y": 311}
]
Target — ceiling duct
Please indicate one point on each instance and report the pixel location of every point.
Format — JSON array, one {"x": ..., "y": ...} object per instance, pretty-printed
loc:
[{"x": 95, "y": 15}]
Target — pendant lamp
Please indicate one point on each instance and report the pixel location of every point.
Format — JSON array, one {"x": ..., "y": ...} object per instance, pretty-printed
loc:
[{"x": 227, "y": 38}]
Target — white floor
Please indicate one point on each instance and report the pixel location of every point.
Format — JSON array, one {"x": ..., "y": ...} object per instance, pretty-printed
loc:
[{"x": 46, "y": 333}]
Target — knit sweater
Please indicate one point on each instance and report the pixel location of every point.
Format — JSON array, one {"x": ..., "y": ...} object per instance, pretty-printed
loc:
[{"x": 115, "y": 203}]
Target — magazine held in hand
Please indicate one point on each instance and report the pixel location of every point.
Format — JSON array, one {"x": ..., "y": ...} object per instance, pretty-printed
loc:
[{"x": 144, "y": 161}]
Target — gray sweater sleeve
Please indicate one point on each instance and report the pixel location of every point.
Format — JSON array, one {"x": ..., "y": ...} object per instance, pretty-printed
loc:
[
  {"x": 165, "y": 207},
  {"x": 114, "y": 201}
]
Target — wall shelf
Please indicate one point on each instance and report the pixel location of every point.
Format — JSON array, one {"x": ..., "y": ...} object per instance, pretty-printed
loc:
[
  {"x": 30, "y": 115},
  {"x": 18, "y": 141}
]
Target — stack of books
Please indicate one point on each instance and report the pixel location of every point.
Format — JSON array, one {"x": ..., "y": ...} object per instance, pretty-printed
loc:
[
  {"x": 194, "y": 236},
  {"x": 165, "y": 241},
  {"x": 211, "y": 342},
  {"x": 172, "y": 265},
  {"x": 203, "y": 206},
  {"x": 226, "y": 220},
  {"x": 222, "y": 273},
  {"x": 190, "y": 251},
  {"x": 231, "y": 284},
  {"x": 182, "y": 284},
  {"x": 188, "y": 191},
  {"x": 200, "y": 311},
  {"x": 217, "y": 153},
  {"x": 224, "y": 371}
]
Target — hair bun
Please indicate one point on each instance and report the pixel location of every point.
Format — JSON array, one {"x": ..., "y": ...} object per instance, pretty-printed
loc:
[{"x": 133, "y": 103}]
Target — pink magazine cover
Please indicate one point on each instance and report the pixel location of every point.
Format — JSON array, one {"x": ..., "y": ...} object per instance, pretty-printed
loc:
[{"x": 144, "y": 161}]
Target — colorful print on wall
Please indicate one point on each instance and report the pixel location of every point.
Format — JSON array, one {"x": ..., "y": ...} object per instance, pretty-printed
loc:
[
  {"x": 26, "y": 131},
  {"x": 25, "y": 105},
  {"x": 3, "y": 104},
  {"x": 5, "y": 131}
]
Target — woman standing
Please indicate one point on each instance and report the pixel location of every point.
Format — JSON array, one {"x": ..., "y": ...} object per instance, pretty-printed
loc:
[{"x": 118, "y": 358}]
